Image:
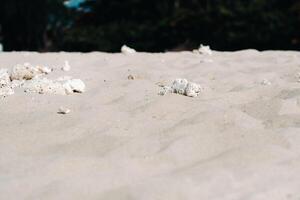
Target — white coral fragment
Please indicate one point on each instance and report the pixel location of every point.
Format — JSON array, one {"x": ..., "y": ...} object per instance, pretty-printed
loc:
[
  {"x": 183, "y": 87},
  {"x": 127, "y": 50},
  {"x": 205, "y": 50}
]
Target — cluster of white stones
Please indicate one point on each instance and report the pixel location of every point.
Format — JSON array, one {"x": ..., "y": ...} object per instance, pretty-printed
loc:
[
  {"x": 32, "y": 80},
  {"x": 183, "y": 87}
]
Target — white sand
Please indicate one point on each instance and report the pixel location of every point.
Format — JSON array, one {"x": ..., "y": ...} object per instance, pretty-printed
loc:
[{"x": 238, "y": 140}]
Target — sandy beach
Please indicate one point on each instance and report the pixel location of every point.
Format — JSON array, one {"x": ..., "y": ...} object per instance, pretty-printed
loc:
[{"x": 239, "y": 139}]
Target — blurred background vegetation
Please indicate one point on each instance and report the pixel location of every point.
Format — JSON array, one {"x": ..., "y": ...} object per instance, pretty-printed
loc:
[{"x": 149, "y": 25}]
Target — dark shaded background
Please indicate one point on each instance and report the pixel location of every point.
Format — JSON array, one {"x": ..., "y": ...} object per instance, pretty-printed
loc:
[{"x": 149, "y": 25}]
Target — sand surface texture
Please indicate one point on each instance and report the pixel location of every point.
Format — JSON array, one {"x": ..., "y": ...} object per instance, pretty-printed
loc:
[{"x": 238, "y": 140}]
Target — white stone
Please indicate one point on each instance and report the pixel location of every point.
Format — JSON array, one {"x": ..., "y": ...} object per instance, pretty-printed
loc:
[
  {"x": 63, "y": 110},
  {"x": 127, "y": 50},
  {"x": 74, "y": 85},
  {"x": 205, "y": 50},
  {"x": 66, "y": 67}
]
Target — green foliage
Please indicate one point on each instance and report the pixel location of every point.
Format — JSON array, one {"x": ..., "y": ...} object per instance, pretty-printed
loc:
[
  {"x": 24, "y": 23},
  {"x": 156, "y": 25},
  {"x": 168, "y": 24}
]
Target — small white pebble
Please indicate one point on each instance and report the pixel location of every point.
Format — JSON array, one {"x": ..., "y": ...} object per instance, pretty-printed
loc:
[
  {"x": 74, "y": 85},
  {"x": 63, "y": 110}
]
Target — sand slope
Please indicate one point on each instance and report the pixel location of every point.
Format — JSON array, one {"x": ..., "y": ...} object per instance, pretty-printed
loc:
[{"x": 238, "y": 140}]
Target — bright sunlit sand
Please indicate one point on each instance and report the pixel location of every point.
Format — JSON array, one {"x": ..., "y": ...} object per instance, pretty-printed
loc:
[{"x": 238, "y": 138}]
